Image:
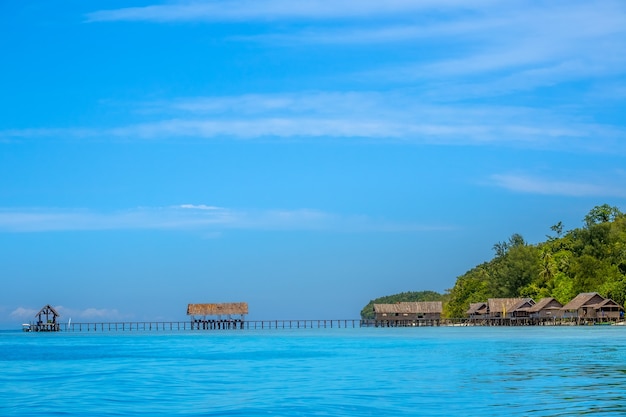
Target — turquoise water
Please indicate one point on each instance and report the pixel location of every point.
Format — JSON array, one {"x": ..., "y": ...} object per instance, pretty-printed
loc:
[{"x": 443, "y": 371}]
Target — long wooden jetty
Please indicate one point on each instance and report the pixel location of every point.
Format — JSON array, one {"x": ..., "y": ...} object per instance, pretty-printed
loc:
[
  {"x": 170, "y": 326},
  {"x": 229, "y": 324}
]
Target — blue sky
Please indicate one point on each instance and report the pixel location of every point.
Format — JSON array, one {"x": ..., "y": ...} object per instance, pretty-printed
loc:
[{"x": 305, "y": 157}]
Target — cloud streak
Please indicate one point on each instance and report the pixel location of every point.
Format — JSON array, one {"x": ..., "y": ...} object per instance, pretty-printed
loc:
[
  {"x": 499, "y": 50},
  {"x": 505, "y": 51},
  {"x": 202, "y": 218},
  {"x": 270, "y": 10},
  {"x": 391, "y": 116},
  {"x": 529, "y": 184},
  {"x": 525, "y": 41}
]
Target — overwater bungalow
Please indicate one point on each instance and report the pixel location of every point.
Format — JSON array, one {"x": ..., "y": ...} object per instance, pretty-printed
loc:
[
  {"x": 585, "y": 308},
  {"x": 477, "y": 311},
  {"x": 217, "y": 315},
  {"x": 592, "y": 307},
  {"x": 408, "y": 313},
  {"x": 545, "y": 310},
  {"x": 507, "y": 309}
]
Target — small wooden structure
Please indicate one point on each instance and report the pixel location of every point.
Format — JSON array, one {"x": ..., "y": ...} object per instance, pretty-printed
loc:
[
  {"x": 592, "y": 307},
  {"x": 507, "y": 309},
  {"x": 545, "y": 310},
  {"x": 609, "y": 310},
  {"x": 46, "y": 321},
  {"x": 217, "y": 315},
  {"x": 585, "y": 308},
  {"x": 408, "y": 313},
  {"x": 477, "y": 312}
]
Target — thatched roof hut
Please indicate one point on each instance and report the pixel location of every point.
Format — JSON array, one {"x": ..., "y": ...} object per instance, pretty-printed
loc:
[
  {"x": 609, "y": 309},
  {"x": 547, "y": 307},
  {"x": 584, "y": 299},
  {"x": 408, "y": 311},
  {"x": 217, "y": 309},
  {"x": 509, "y": 307},
  {"x": 591, "y": 305},
  {"x": 477, "y": 309}
]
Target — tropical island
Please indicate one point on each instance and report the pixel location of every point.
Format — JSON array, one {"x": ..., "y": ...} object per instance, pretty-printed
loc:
[{"x": 589, "y": 259}]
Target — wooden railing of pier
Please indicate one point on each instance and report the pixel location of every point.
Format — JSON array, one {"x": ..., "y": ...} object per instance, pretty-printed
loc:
[
  {"x": 210, "y": 325},
  {"x": 233, "y": 325}
]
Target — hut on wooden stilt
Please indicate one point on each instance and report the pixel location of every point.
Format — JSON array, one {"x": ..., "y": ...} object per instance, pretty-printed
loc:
[
  {"x": 408, "y": 314},
  {"x": 217, "y": 315},
  {"x": 509, "y": 311},
  {"x": 477, "y": 312},
  {"x": 591, "y": 307},
  {"x": 547, "y": 311}
]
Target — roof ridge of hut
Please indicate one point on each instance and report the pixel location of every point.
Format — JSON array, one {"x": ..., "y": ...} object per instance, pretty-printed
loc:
[
  {"x": 49, "y": 308},
  {"x": 580, "y": 300},
  {"x": 543, "y": 303}
]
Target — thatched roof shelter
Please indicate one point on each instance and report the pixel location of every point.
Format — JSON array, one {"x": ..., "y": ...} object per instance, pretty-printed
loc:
[
  {"x": 591, "y": 305},
  {"x": 477, "y": 309},
  {"x": 584, "y": 299},
  {"x": 546, "y": 308},
  {"x": 217, "y": 309},
  {"x": 410, "y": 307},
  {"x": 505, "y": 306},
  {"x": 548, "y": 303}
]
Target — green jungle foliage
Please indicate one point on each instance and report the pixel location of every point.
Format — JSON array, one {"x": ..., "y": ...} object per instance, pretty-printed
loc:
[
  {"x": 368, "y": 311},
  {"x": 588, "y": 259}
]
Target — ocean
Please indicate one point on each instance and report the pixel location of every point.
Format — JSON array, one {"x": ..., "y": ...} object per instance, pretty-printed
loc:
[{"x": 423, "y": 371}]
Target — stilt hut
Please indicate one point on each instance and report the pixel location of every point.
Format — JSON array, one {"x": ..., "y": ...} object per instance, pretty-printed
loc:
[
  {"x": 46, "y": 320},
  {"x": 217, "y": 315},
  {"x": 609, "y": 310},
  {"x": 509, "y": 310},
  {"x": 547, "y": 309},
  {"x": 589, "y": 307},
  {"x": 408, "y": 313},
  {"x": 477, "y": 312}
]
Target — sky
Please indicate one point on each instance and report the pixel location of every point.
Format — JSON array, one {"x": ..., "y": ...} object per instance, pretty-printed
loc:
[{"x": 302, "y": 156}]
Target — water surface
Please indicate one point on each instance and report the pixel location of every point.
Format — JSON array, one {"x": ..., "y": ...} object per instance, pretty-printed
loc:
[{"x": 440, "y": 371}]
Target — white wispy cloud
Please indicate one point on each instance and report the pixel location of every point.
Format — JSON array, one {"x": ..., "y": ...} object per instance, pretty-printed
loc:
[
  {"x": 23, "y": 313},
  {"x": 202, "y": 218},
  {"x": 532, "y": 184},
  {"x": 199, "y": 207},
  {"x": 512, "y": 25},
  {"x": 434, "y": 132},
  {"x": 498, "y": 49},
  {"x": 182, "y": 217},
  {"x": 246, "y": 10},
  {"x": 520, "y": 45},
  {"x": 391, "y": 116},
  {"x": 517, "y": 48}
]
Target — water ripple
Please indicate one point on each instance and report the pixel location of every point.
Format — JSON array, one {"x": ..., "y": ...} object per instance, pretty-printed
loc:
[{"x": 347, "y": 372}]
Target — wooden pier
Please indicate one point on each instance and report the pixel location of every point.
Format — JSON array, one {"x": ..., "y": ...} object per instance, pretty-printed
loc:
[
  {"x": 210, "y": 325},
  {"x": 232, "y": 325}
]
